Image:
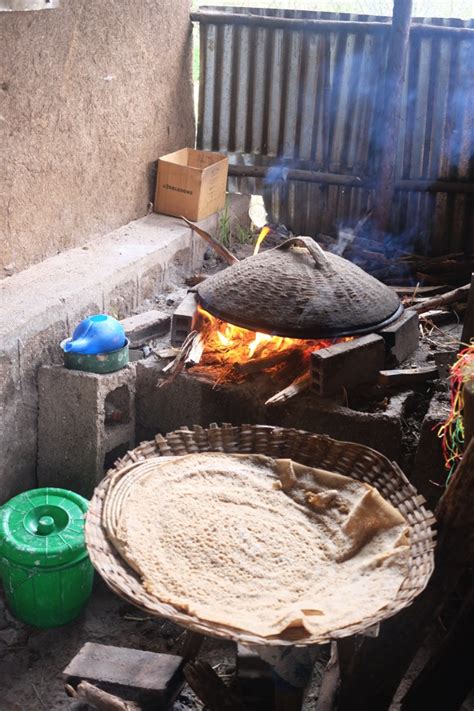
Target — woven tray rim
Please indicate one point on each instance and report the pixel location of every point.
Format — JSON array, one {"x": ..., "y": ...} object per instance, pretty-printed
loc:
[{"x": 343, "y": 457}]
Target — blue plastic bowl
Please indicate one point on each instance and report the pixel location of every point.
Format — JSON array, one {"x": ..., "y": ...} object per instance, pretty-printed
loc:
[{"x": 97, "y": 334}]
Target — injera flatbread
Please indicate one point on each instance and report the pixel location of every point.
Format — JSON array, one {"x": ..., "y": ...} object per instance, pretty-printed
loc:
[{"x": 262, "y": 545}]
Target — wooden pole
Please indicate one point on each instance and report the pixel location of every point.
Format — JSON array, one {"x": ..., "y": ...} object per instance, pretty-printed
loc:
[
  {"x": 468, "y": 414},
  {"x": 447, "y": 678},
  {"x": 391, "y": 115},
  {"x": 355, "y": 181},
  {"x": 323, "y": 26},
  {"x": 468, "y": 326},
  {"x": 377, "y": 668}
]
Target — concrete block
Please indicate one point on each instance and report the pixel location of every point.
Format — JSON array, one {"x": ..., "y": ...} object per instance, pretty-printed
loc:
[
  {"x": 145, "y": 326},
  {"x": 41, "y": 306},
  {"x": 86, "y": 421},
  {"x": 401, "y": 337},
  {"x": 183, "y": 319},
  {"x": 347, "y": 364},
  {"x": 147, "y": 677},
  {"x": 190, "y": 401}
]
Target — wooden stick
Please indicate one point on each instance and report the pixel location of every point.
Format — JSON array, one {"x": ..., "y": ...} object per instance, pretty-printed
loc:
[
  {"x": 191, "y": 645},
  {"x": 299, "y": 385},
  {"x": 397, "y": 54},
  {"x": 210, "y": 689},
  {"x": 307, "y": 176},
  {"x": 99, "y": 699},
  {"x": 176, "y": 366},
  {"x": 289, "y": 23},
  {"x": 447, "y": 678},
  {"x": 379, "y": 664},
  {"x": 468, "y": 326},
  {"x": 407, "y": 376},
  {"x": 459, "y": 294},
  {"x": 435, "y": 186},
  {"x": 354, "y": 181},
  {"x": 468, "y": 413},
  {"x": 255, "y": 365},
  {"x": 329, "y": 682},
  {"x": 195, "y": 352},
  {"x": 217, "y": 246}
]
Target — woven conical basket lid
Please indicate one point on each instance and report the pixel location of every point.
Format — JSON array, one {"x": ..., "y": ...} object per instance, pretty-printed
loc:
[{"x": 300, "y": 291}]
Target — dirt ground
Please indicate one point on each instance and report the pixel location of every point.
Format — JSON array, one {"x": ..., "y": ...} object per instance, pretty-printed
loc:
[{"x": 32, "y": 660}]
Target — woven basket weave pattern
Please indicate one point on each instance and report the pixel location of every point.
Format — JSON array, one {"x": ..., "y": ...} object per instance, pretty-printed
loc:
[
  {"x": 331, "y": 297},
  {"x": 346, "y": 458}
]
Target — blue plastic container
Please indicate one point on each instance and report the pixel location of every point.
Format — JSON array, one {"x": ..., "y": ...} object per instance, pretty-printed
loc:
[{"x": 97, "y": 334}]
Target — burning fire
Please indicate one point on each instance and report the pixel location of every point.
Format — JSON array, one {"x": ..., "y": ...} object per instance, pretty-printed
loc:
[
  {"x": 232, "y": 346},
  {"x": 263, "y": 233}
]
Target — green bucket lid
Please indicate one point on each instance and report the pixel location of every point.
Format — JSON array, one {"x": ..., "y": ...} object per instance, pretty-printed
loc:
[{"x": 43, "y": 528}]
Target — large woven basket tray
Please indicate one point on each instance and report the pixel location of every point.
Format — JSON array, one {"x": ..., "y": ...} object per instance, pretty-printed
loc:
[{"x": 346, "y": 458}]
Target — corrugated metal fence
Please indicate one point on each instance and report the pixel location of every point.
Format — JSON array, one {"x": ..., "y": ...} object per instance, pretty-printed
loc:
[{"x": 304, "y": 97}]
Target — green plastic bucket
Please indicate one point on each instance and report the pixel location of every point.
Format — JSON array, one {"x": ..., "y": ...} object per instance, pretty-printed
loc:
[{"x": 46, "y": 572}]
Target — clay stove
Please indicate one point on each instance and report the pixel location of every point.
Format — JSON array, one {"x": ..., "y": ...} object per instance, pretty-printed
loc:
[
  {"x": 256, "y": 355},
  {"x": 276, "y": 310}
]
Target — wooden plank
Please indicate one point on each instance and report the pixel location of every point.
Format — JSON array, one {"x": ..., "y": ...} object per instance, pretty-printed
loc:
[
  {"x": 210, "y": 689},
  {"x": 468, "y": 327},
  {"x": 329, "y": 682},
  {"x": 447, "y": 678},
  {"x": 100, "y": 700},
  {"x": 410, "y": 376},
  {"x": 468, "y": 414},
  {"x": 354, "y": 181},
  {"x": 146, "y": 675},
  {"x": 378, "y": 666}
]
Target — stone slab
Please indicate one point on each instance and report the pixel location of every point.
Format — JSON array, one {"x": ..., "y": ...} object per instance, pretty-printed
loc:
[
  {"x": 401, "y": 337},
  {"x": 145, "y": 326},
  {"x": 41, "y": 306},
  {"x": 144, "y": 675},
  {"x": 347, "y": 364}
]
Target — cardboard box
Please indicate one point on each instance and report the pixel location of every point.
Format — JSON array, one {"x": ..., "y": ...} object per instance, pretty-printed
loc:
[{"x": 191, "y": 183}]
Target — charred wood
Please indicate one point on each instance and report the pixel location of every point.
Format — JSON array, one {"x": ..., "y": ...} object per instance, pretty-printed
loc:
[
  {"x": 217, "y": 246},
  {"x": 450, "y": 297},
  {"x": 210, "y": 689}
]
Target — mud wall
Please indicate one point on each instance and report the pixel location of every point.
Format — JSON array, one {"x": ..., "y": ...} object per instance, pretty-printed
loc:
[{"x": 91, "y": 94}]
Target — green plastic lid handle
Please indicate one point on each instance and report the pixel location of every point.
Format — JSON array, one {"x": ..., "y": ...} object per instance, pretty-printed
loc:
[{"x": 46, "y": 525}]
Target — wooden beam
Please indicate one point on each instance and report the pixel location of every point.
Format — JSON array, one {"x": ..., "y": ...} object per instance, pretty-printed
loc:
[
  {"x": 391, "y": 115},
  {"x": 289, "y": 23},
  {"x": 468, "y": 413},
  {"x": 450, "y": 297},
  {"x": 210, "y": 688},
  {"x": 355, "y": 181},
  {"x": 329, "y": 682},
  {"x": 307, "y": 176},
  {"x": 378, "y": 666},
  {"x": 468, "y": 326},
  {"x": 447, "y": 678}
]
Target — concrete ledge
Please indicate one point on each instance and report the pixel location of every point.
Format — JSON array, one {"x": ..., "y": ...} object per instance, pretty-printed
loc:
[
  {"x": 189, "y": 401},
  {"x": 41, "y": 305}
]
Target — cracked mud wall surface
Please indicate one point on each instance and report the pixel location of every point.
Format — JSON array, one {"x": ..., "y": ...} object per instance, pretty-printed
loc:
[{"x": 91, "y": 94}]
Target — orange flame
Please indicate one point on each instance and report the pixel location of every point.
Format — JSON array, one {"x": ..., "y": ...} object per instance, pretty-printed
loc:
[
  {"x": 263, "y": 233},
  {"x": 226, "y": 344}
]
